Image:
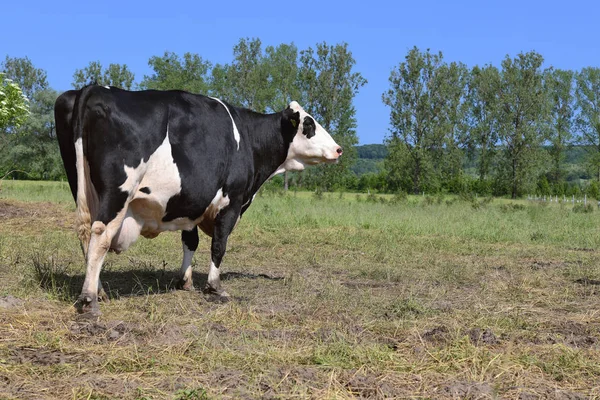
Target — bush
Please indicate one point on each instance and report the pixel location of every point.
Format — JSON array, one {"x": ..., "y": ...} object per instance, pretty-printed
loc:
[
  {"x": 583, "y": 208},
  {"x": 399, "y": 197},
  {"x": 512, "y": 207}
]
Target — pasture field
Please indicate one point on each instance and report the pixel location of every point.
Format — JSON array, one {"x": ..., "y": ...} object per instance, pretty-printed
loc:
[{"x": 333, "y": 297}]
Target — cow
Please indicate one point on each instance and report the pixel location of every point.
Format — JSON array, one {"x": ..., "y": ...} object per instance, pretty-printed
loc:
[{"x": 145, "y": 162}]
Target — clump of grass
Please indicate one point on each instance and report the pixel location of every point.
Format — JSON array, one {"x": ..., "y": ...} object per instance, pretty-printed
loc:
[
  {"x": 399, "y": 197},
  {"x": 583, "y": 208},
  {"x": 510, "y": 207},
  {"x": 52, "y": 277}
]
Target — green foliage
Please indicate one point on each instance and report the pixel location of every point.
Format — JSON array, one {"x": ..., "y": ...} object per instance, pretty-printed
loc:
[
  {"x": 593, "y": 190},
  {"x": 29, "y": 148},
  {"x": 482, "y": 116},
  {"x": 328, "y": 83},
  {"x": 171, "y": 72},
  {"x": 587, "y": 94},
  {"x": 523, "y": 120},
  {"x": 115, "y": 75},
  {"x": 372, "y": 151},
  {"x": 427, "y": 102},
  {"x": 559, "y": 86},
  {"x": 583, "y": 208},
  {"x": 14, "y": 106},
  {"x": 24, "y": 74}
]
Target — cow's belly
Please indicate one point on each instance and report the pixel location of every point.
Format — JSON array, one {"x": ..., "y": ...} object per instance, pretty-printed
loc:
[{"x": 145, "y": 217}]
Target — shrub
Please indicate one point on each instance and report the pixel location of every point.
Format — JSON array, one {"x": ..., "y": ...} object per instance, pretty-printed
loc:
[{"x": 583, "y": 208}]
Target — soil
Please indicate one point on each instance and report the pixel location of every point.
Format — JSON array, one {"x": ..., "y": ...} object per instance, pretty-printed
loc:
[
  {"x": 480, "y": 337},
  {"x": 10, "y": 302},
  {"x": 469, "y": 390},
  {"x": 41, "y": 356}
]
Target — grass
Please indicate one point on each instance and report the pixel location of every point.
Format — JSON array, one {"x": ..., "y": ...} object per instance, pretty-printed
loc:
[{"x": 334, "y": 296}]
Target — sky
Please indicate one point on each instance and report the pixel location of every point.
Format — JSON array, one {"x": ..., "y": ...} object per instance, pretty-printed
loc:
[{"x": 62, "y": 36}]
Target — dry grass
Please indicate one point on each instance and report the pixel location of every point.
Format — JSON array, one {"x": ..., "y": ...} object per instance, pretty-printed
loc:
[{"x": 332, "y": 299}]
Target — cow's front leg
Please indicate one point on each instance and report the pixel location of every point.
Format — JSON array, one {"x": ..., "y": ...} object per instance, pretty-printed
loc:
[
  {"x": 189, "y": 241},
  {"x": 224, "y": 224}
]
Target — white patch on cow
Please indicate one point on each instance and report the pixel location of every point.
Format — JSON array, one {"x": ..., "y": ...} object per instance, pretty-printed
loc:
[
  {"x": 107, "y": 87},
  {"x": 186, "y": 264},
  {"x": 219, "y": 202},
  {"x": 236, "y": 133},
  {"x": 86, "y": 197},
  {"x": 127, "y": 233},
  {"x": 304, "y": 151},
  {"x": 144, "y": 215},
  {"x": 214, "y": 280}
]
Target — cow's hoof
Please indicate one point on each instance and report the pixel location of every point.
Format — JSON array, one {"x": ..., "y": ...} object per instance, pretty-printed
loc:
[
  {"x": 87, "y": 305},
  {"x": 102, "y": 296},
  {"x": 186, "y": 285},
  {"x": 215, "y": 295}
]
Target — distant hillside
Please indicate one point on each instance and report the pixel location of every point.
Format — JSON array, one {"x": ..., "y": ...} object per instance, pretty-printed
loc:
[{"x": 370, "y": 159}]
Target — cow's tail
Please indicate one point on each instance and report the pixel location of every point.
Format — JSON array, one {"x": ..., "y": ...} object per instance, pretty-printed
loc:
[{"x": 86, "y": 197}]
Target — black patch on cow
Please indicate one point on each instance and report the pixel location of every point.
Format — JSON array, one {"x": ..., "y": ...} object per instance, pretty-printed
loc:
[
  {"x": 309, "y": 127},
  {"x": 145, "y": 190},
  {"x": 291, "y": 117}
]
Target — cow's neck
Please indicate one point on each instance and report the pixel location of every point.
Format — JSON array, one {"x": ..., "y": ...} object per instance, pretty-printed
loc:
[{"x": 269, "y": 147}]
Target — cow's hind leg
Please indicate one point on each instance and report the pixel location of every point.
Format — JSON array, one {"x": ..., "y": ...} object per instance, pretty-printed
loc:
[
  {"x": 224, "y": 224},
  {"x": 100, "y": 241},
  {"x": 189, "y": 241}
]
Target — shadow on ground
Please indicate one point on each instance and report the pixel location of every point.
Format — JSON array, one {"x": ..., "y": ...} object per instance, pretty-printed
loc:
[{"x": 136, "y": 282}]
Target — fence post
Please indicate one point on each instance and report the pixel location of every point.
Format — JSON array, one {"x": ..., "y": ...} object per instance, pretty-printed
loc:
[{"x": 585, "y": 199}]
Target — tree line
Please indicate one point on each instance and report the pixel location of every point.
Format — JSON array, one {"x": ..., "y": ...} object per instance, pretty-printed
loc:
[
  {"x": 490, "y": 130},
  {"x": 513, "y": 124}
]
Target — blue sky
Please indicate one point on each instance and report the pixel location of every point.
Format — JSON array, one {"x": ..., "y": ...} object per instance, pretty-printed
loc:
[{"x": 61, "y": 36}]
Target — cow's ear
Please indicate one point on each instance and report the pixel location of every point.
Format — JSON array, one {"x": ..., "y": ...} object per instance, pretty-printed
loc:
[
  {"x": 292, "y": 117},
  {"x": 309, "y": 127}
]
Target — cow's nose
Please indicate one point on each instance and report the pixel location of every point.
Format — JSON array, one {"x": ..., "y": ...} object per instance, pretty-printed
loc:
[{"x": 339, "y": 151}]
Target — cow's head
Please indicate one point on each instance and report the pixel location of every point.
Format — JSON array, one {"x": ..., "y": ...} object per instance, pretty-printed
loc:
[{"x": 311, "y": 144}]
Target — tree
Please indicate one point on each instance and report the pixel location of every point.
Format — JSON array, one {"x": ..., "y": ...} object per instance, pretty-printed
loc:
[
  {"x": 559, "y": 86},
  {"x": 23, "y": 73},
  {"x": 171, "y": 72},
  {"x": 328, "y": 83},
  {"x": 31, "y": 147},
  {"x": 523, "y": 118},
  {"x": 483, "y": 101},
  {"x": 247, "y": 77},
  {"x": 587, "y": 94},
  {"x": 411, "y": 98},
  {"x": 282, "y": 66},
  {"x": 115, "y": 75},
  {"x": 14, "y": 105},
  {"x": 448, "y": 111}
]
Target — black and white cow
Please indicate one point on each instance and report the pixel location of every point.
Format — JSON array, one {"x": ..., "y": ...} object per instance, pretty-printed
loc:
[{"x": 141, "y": 163}]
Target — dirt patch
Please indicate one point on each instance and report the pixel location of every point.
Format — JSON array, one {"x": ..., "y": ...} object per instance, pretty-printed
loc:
[
  {"x": 369, "y": 386},
  {"x": 9, "y": 211},
  {"x": 10, "y": 302},
  {"x": 575, "y": 334},
  {"x": 482, "y": 337},
  {"x": 542, "y": 265},
  {"x": 469, "y": 390},
  {"x": 23, "y": 355},
  {"x": 439, "y": 334},
  {"x": 109, "y": 331},
  {"x": 548, "y": 393}
]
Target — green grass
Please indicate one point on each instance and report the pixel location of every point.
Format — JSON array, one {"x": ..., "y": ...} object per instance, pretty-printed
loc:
[
  {"x": 334, "y": 296},
  {"x": 36, "y": 191}
]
